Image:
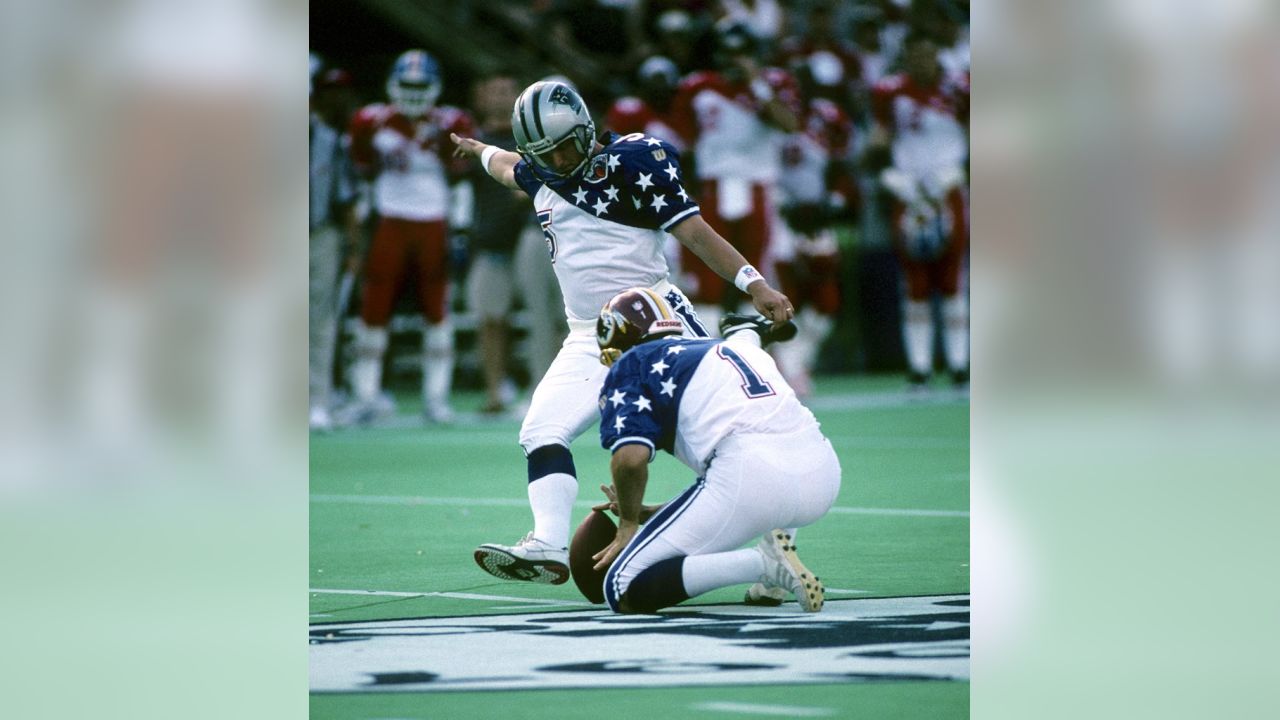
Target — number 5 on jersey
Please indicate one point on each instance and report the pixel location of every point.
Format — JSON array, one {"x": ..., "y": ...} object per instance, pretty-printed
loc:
[{"x": 544, "y": 219}]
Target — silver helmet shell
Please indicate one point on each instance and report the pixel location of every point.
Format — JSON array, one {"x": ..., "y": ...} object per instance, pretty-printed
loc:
[{"x": 547, "y": 114}]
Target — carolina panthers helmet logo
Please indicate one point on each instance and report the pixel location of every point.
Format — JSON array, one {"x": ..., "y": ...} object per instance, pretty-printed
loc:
[{"x": 561, "y": 95}]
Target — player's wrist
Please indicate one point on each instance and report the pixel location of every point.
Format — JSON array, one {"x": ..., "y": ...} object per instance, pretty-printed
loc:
[
  {"x": 486, "y": 155},
  {"x": 746, "y": 277}
]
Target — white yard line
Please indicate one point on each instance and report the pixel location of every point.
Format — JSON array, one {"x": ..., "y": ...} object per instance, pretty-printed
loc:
[
  {"x": 507, "y": 598},
  {"x": 410, "y": 500},
  {"x": 419, "y": 500},
  {"x": 379, "y": 593},
  {"x": 906, "y": 512},
  {"x": 872, "y": 401},
  {"x": 758, "y": 709},
  {"x": 536, "y": 602}
]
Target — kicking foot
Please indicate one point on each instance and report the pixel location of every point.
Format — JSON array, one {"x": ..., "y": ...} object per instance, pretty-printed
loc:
[
  {"x": 529, "y": 560},
  {"x": 769, "y": 332}
]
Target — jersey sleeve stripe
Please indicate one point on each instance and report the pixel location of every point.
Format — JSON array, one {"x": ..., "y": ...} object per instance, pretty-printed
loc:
[
  {"x": 680, "y": 216},
  {"x": 634, "y": 440}
]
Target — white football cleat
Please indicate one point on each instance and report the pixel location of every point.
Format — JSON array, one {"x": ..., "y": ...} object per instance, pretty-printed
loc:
[
  {"x": 783, "y": 569},
  {"x": 769, "y": 332},
  {"x": 529, "y": 560},
  {"x": 321, "y": 420},
  {"x": 761, "y": 594},
  {"x": 438, "y": 414}
]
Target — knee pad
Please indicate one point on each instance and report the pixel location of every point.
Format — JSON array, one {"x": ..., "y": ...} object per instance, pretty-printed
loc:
[{"x": 549, "y": 460}]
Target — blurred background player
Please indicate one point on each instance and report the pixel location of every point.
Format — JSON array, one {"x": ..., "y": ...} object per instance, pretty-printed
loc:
[
  {"x": 762, "y": 18},
  {"x": 648, "y": 111},
  {"x": 816, "y": 187},
  {"x": 700, "y": 399},
  {"x": 404, "y": 147},
  {"x": 823, "y": 42},
  {"x": 734, "y": 120},
  {"x": 923, "y": 115},
  {"x": 605, "y": 208},
  {"x": 500, "y": 216},
  {"x": 335, "y": 229}
]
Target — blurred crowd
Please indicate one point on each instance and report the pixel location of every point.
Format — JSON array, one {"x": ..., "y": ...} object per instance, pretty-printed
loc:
[{"x": 814, "y": 134}]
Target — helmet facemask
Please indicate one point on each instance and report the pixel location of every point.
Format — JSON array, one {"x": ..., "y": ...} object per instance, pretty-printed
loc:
[{"x": 413, "y": 98}]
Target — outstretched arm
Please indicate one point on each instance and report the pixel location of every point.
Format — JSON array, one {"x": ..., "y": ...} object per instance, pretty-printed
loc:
[
  {"x": 502, "y": 164},
  {"x": 695, "y": 234}
]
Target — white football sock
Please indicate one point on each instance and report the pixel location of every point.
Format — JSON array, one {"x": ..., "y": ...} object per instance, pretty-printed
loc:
[
  {"x": 703, "y": 573},
  {"x": 437, "y": 364},
  {"x": 955, "y": 317},
  {"x": 917, "y": 330},
  {"x": 551, "y": 498},
  {"x": 366, "y": 370}
]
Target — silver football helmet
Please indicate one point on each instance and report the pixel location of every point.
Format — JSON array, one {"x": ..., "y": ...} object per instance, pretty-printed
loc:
[{"x": 547, "y": 114}]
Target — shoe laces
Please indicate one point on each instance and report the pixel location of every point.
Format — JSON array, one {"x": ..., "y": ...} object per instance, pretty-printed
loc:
[{"x": 777, "y": 573}]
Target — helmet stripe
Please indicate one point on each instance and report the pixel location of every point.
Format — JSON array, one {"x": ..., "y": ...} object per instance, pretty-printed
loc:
[
  {"x": 523, "y": 104},
  {"x": 537, "y": 115},
  {"x": 659, "y": 307}
]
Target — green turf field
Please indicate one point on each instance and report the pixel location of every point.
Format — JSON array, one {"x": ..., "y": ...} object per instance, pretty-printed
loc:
[{"x": 397, "y": 511}]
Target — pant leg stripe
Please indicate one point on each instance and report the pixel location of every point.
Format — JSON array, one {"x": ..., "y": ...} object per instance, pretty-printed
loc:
[{"x": 652, "y": 529}]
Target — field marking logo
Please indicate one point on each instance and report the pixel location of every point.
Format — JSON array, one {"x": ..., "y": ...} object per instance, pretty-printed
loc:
[{"x": 914, "y": 638}]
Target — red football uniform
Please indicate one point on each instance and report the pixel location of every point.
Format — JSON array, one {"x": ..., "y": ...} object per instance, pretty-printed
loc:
[
  {"x": 805, "y": 252},
  {"x": 411, "y": 162},
  {"x": 737, "y": 161},
  {"x": 929, "y": 149},
  {"x": 630, "y": 114}
]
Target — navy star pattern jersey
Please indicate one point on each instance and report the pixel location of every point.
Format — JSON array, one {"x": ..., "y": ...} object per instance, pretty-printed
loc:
[
  {"x": 686, "y": 395},
  {"x": 606, "y": 228}
]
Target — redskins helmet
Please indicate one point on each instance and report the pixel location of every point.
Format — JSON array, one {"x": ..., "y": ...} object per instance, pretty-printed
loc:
[{"x": 632, "y": 317}]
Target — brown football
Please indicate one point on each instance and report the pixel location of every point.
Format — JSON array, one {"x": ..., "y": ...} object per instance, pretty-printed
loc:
[{"x": 593, "y": 535}]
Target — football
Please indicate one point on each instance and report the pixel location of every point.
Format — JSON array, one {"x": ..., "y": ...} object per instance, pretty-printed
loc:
[{"x": 593, "y": 535}]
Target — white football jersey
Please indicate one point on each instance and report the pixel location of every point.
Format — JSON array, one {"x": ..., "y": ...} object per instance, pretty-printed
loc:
[
  {"x": 686, "y": 396},
  {"x": 411, "y": 158},
  {"x": 722, "y": 120},
  {"x": 928, "y": 123},
  {"x": 605, "y": 229}
]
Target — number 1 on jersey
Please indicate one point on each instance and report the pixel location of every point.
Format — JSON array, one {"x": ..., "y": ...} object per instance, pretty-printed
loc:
[{"x": 754, "y": 387}]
